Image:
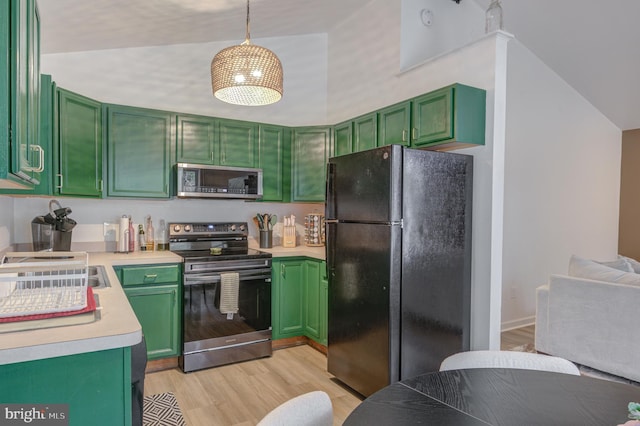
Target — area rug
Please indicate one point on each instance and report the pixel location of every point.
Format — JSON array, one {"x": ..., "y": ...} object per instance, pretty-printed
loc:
[{"x": 162, "y": 410}]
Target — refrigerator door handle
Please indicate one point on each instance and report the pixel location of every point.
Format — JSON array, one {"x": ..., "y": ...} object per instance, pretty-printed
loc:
[{"x": 330, "y": 207}]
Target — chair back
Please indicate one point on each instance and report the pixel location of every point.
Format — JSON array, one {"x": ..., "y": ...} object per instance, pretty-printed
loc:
[
  {"x": 508, "y": 359},
  {"x": 309, "y": 409}
]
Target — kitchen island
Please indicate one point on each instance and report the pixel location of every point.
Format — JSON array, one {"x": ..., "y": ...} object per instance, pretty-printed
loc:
[{"x": 86, "y": 366}]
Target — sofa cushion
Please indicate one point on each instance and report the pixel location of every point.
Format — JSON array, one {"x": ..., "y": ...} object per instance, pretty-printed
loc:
[
  {"x": 585, "y": 268},
  {"x": 635, "y": 265},
  {"x": 621, "y": 264}
]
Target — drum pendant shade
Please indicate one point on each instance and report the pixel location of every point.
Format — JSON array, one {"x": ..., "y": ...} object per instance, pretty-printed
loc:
[{"x": 247, "y": 74}]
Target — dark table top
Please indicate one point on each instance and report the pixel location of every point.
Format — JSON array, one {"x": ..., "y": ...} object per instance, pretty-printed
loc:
[{"x": 498, "y": 397}]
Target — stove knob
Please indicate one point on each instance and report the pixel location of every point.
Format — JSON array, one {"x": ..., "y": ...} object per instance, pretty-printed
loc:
[
  {"x": 242, "y": 228},
  {"x": 176, "y": 228},
  {"x": 232, "y": 228},
  {"x": 187, "y": 228}
]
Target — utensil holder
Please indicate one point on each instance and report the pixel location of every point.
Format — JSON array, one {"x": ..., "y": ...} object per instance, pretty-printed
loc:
[
  {"x": 289, "y": 236},
  {"x": 266, "y": 238}
]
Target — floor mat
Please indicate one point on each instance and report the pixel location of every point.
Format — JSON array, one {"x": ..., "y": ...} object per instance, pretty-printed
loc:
[{"x": 162, "y": 410}]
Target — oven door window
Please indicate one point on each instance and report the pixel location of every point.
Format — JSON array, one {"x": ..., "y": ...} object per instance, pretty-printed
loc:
[{"x": 203, "y": 319}]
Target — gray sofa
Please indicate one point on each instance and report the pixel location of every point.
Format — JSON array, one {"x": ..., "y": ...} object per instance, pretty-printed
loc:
[{"x": 592, "y": 316}]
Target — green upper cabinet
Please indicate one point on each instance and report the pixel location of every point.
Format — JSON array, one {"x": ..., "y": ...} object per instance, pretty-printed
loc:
[
  {"x": 21, "y": 156},
  {"x": 394, "y": 124},
  {"x": 139, "y": 147},
  {"x": 78, "y": 136},
  {"x": 196, "y": 139},
  {"x": 365, "y": 130},
  {"x": 343, "y": 138},
  {"x": 274, "y": 147},
  {"x": 45, "y": 187},
  {"x": 237, "y": 143},
  {"x": 311, "y": 148},
  {"x": 453, "y": 116}
]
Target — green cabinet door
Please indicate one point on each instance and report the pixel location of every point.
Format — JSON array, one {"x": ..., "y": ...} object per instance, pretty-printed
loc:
[
  {"x": 139, "y": 147},
  {"x": 45, "y": 187},
  {"x": 365, "y": 131},
  {"x": 342, "y": 137},
  {"x": 154, "y": 292},
  {"x": 324, "y": 304},
  {"x": 237, "y": 143},
  {"x": 394, "y": 124},
  {"x": 157, "y": 309},
  {"x": 78, "y": 136},
  {"x": 21, "y": 156},
  {"x": 196, "y": 141},
  {"x": 311, "y": 148},
  {"x": 453, "y": 115},
  {"x": 287, "y": 298},
  {"x": 313, "y": 294},
  {"x": 95, "y": 385},
  {"x": 273, "y": 148}
]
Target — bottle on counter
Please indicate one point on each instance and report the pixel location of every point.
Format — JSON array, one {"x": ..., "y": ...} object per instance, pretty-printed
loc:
[
  {"x": 150, "y": 234},
  {"x": 132, "y": 236},
  {"x": 161, "y": 237},
  {"x": 142, "y": 239}
]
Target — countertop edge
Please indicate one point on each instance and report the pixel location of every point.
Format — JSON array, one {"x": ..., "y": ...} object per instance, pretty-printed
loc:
[{"x": 117, "y": 328}]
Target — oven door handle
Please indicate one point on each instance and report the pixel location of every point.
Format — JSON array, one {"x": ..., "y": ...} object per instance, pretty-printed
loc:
[{"x": 194, "y": 279}]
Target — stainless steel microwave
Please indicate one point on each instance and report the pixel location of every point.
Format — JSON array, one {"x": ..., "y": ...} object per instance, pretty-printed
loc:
[{"x": 204, "y": 181}]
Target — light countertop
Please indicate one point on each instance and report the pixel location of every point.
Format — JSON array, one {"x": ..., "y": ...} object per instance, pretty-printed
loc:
[{"x": 118, "y": 326}]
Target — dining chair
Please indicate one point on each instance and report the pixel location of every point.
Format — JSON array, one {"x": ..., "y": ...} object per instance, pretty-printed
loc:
[
  {"x": 508, "y": 359},
  {"x": 310, "y": 409}
]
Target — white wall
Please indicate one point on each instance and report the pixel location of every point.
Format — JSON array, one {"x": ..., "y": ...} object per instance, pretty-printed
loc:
[
  {"x": 178, "y": 78},
  {"x": 92, "y": 214},
  {"x": 562, "y": 182},
  {"x": 364, "y": 75}
]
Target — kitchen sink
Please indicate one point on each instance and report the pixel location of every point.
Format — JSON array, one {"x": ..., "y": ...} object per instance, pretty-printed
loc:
[{"x": 98, "y": 277}]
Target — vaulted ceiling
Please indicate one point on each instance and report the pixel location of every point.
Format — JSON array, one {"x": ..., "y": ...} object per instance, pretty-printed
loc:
[{"x": 591, "y": 44}]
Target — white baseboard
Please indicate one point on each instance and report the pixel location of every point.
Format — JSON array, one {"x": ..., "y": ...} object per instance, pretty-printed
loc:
[{"x": 513, "y": 324}]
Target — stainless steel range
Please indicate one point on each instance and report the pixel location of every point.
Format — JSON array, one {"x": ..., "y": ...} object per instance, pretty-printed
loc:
[{"x": 214, "y": 253}]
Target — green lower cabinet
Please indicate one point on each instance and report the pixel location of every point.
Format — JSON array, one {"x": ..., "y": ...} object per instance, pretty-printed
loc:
[
  {"x": 324, "y": 304},
  {"x": 453, "y": 116},
  {"x": 299, "y": 299},
  {"x": 95, "y": 385},
  {"x": 312, "y": 294},
  {"x": 154, "y": 292},
  {"x": 287, "y": 298}
]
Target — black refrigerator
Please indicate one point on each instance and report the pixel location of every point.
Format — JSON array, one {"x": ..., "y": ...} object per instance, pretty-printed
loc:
[{"x": 398, "y": 241}]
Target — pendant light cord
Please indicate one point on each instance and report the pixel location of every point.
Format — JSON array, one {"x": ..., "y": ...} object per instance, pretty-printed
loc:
[{"x": 247, "y": 39}]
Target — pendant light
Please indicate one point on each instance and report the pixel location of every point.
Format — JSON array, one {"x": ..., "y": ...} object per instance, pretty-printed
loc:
[{"x": 246, "y": 74}]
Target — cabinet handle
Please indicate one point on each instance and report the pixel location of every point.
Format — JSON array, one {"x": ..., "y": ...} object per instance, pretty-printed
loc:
[
  {"x": 282, "y": 269},
  {"x": 404, "y": 135},
  {"x": 212, "y": 156},
  {"x": 150, "y": 276},
  {"x": 40, "y": 167},
  {"x": 101, "y": 185},
  {"x": 60, "y": 176},
  {"x": 413, "y": 134}
]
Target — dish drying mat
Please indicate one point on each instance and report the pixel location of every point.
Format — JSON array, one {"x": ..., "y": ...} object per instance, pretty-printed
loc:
[{"x": 35, "y": 283}]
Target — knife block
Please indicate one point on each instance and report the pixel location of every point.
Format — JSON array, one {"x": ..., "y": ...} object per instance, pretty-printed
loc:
[{"x": 288, "y": 236}]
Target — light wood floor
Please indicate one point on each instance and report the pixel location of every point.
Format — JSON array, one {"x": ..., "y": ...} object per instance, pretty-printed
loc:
[{"x": 241, "y": 394}]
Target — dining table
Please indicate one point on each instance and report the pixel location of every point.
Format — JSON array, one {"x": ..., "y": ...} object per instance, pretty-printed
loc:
[{"x": 498, "y": 397}]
